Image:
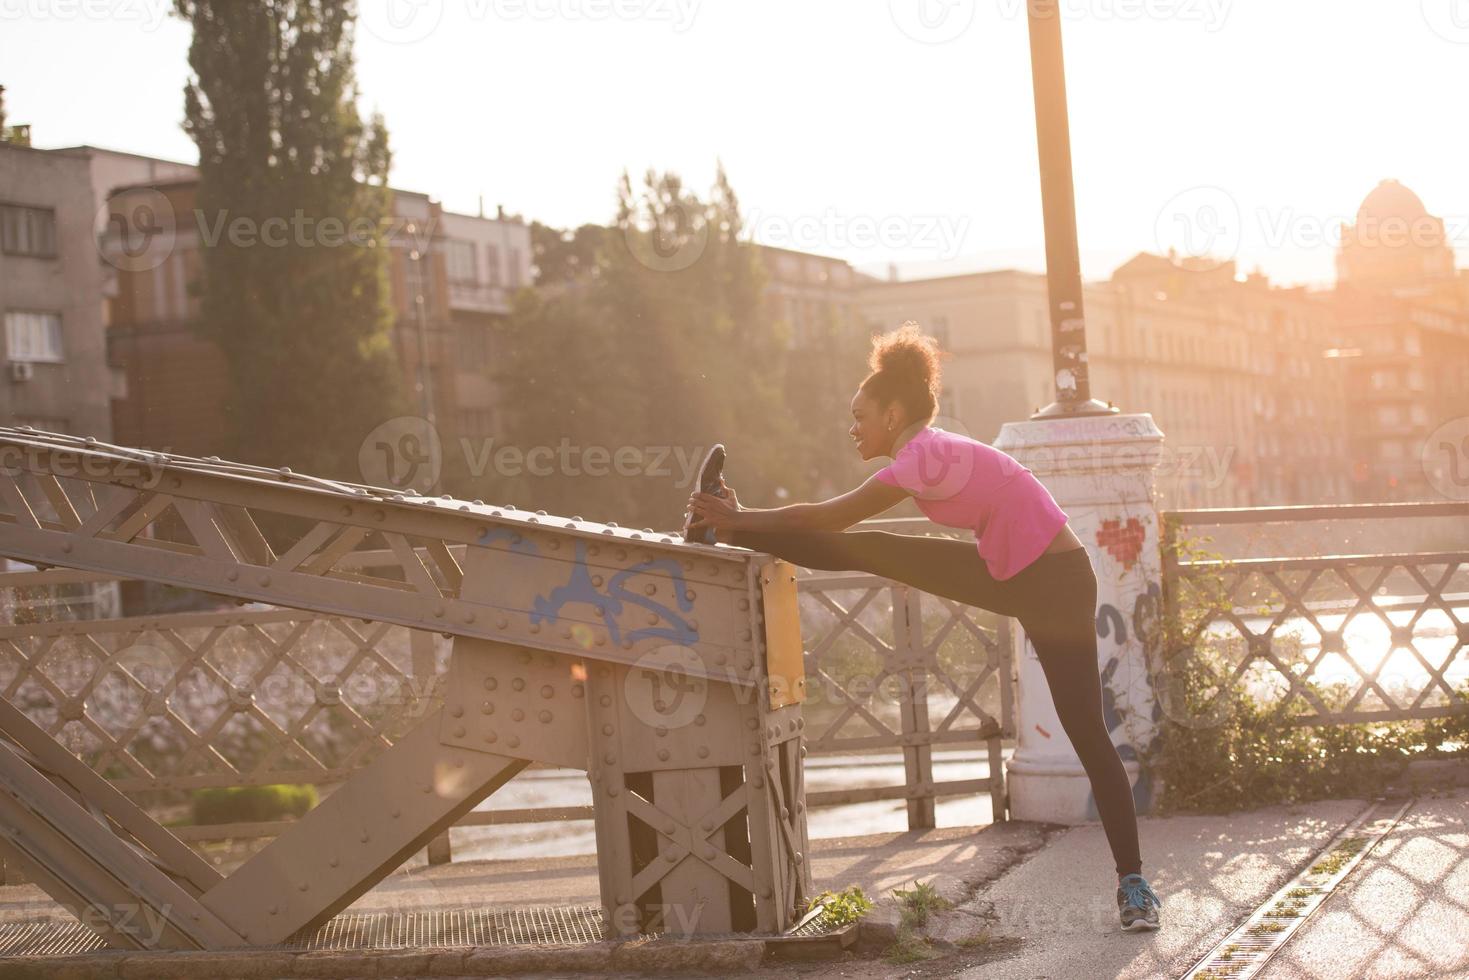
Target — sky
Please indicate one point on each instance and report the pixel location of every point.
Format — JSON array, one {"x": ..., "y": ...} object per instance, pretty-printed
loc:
[{"x": 877, "y": 131}]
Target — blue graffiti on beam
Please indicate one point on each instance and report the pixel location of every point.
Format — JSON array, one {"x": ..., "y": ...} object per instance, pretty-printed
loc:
[{"x": 579, "y": 588}]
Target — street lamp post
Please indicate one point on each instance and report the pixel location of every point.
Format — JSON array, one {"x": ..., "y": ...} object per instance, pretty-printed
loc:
[
  {"x": 1058, "y": 202},
  {"x": 1098, "y": 464}
]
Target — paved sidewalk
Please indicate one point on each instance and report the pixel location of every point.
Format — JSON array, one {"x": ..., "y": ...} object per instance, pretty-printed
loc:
[
  {"x": 1403, "y": 913},
  {"x": 1040, "y": 897}
]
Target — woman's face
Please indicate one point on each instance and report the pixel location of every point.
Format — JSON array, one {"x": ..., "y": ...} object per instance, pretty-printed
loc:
[{"x": 870, "y": 426}]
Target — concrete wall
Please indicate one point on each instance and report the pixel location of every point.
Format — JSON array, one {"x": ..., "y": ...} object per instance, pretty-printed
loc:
[{"x": 74, "y": 395}]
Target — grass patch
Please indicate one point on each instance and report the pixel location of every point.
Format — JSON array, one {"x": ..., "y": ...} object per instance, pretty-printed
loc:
[{"x": 248, "y": 804}]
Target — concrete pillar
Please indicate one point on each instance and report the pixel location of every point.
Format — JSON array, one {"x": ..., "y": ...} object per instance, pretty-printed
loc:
[{"x": 1100, "y": 470}]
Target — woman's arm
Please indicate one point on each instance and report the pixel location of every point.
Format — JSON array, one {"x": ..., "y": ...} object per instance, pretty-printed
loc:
[{"x": 837, "y": 514}]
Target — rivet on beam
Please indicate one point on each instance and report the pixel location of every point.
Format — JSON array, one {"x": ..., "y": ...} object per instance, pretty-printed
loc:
[
  {"x": 703, "y": 751},
  {"x": 491, "y": 683},
  {"x": 513, "y": 741},
  {"x": 662, "y": 755},
  {"x": 545, "y": 717},
  {"x": 519, "y": 682}
]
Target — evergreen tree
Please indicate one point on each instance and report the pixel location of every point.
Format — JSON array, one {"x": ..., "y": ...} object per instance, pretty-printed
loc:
[
  {"x": 662, "y": 344},
  {"x": 299, "y": 304}
]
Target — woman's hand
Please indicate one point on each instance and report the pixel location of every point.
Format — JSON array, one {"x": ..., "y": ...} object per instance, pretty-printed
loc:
[{"x": 720, "y": 513}]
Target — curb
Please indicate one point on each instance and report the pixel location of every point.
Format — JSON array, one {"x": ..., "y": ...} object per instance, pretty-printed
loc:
[{"x": 640, "y": 956}]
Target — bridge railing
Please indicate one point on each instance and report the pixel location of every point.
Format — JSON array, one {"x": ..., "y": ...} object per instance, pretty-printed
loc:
[
  {"x": 165, "y": 704},
  {"x": 1346, "y": 613}
]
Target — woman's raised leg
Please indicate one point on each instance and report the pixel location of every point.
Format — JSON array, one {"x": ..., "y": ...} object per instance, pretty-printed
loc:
[{"x": 948, "y": 567}]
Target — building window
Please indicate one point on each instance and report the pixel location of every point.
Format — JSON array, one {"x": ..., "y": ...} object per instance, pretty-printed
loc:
[
  {"x": 34, "y": 337},
  {"x": 941, "y": 331},
  {"x": 462, "y": 262},
  {"x": 513, "y": 255},
  {"x": 492, "y": 256},
  {"x": 28, "y": 231}
]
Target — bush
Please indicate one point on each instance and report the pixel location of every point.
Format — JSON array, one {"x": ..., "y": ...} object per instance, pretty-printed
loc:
[
  {"x": 1220, "y": 748},
  {"x": 247, "y": 804}
]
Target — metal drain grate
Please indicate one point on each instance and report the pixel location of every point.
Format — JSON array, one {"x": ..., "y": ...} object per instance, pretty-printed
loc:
[
  {"x": 559, "y": 925},
  {"x": 48, "y": 939},
  {"x": 1244, "y": 952},
  {"x": 548, "y": 925},
  {"x": 460, "y": 927}
]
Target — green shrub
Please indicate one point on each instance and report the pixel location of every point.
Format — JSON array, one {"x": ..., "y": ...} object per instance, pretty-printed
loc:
[
  {"x": 1221, "y": 748},
  {"x": 247, "y": 804},
  {"x": 842, "y": 907}
]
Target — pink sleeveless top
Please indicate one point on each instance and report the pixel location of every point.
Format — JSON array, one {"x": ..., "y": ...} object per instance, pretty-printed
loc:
[{"x": 961, "y": 482}]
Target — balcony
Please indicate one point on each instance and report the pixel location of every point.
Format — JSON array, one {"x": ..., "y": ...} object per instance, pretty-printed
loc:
[{"x": 478, "y": 297}]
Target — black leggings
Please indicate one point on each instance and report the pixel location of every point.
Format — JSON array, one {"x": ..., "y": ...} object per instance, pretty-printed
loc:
[{"x": 1055, "y": 600}]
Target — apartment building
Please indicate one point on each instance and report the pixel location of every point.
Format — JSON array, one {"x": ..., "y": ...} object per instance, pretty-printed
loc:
[
  {"x": 450, "y": 276},
  {"x": 56, "y": 374},
  {"x": 1204, "y": 353},
  {"x": 813, "y": 294},
  {"x": 1403, "y": 353}
]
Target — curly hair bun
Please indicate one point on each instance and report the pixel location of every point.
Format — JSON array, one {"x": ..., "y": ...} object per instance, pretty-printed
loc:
[
  {"x": 905, "y": 365},
  {"x": 909, "y": 354}
]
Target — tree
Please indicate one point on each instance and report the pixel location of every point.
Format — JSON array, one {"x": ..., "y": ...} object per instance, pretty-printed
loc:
[
  {"x": 655, "y": 347},
  {"x": 293, "y": 195}
]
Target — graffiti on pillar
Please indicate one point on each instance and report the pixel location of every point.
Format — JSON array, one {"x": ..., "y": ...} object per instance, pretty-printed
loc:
[
  {"x": 1123, "y": 542},
  {"x": 579, "y": 588}
]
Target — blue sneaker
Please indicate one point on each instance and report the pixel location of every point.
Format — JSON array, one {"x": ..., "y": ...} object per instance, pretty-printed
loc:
[{"x": 1137, "y": 903}]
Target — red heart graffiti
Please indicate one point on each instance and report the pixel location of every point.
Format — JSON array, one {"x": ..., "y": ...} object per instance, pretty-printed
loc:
[{"x": 1122, "y": 542}]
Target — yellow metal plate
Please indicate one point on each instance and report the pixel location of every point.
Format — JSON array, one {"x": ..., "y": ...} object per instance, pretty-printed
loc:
[{"x": 784, "y": 658}]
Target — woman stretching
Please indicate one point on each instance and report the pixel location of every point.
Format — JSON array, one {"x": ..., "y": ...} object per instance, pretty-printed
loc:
[{"x": 1028, "y": 565}]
